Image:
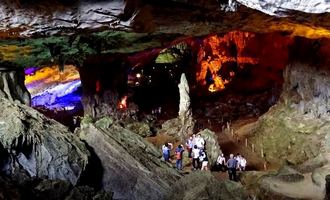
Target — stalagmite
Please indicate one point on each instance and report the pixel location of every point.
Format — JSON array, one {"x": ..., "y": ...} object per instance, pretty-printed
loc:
[
  {"x": 185, "y": 114},
  {"x": 12, "y": 85}
]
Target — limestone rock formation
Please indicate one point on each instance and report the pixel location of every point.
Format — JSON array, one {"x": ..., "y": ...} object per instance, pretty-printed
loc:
[
  {"x": 131, "y": 166},
  {"x": 286, "y": 183},
  {"x": 139, "y": 128},
  {"x": 38, "y": 146},
  {"x": 319, "y": 174},
  {"x": 203, "y": 185},
  {"x": 185, "y": 114},
  {"x": 171, "y": 127},
  {"x": 12, "y": 85},
  {"x": 84, "y": 15},
  {"x": 289, "y": 175},
  {"x": 296, "y": 129},
  {"x": 212, "y": 145},
  {"x": 281, "y": 7}
]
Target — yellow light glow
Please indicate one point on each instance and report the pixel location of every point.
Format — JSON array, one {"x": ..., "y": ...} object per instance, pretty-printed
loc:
[{"x": 308, "y": 31}]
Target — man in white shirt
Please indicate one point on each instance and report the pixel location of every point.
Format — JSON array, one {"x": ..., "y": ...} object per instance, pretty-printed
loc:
[
  {"x": 200, "y": 142},
  {"x": 243, "y": 163},
  {"x": 238, "y": 159},
  {"x": 189, "y": 145},
  {"x": 195, "y": 156},
  {"x": 221, "y": 163}
]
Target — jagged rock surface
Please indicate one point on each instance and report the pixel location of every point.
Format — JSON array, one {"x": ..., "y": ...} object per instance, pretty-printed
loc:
[
  {"x": 171, "y": 127},
  {"x": 140, "y": 128},
  {"x": 11, "y": 85},
  {"x": 83, "y": 15},
  {"x": 295, "y": 129},
  {"x": 38, "y": 146},
  {"x": 203, "y": 185},
  {"x": 132, "y": 168},
  {"x": 280, "y": 7}
]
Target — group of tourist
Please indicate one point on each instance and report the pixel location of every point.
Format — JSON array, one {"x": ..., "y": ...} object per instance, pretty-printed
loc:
[
  {"x": 233, "y": 164},
  {"x": 195, "y": 146},
  {"x": 196, "y": 152}
]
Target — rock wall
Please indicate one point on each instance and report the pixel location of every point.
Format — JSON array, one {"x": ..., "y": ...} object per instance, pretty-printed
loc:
[
  {"x": 295, "y": 130},
  {"x": 203, "y": 185},
  {"x": 131, "y": 166},
  {"x": 307, "y": 90},
  {"x": 34, "y": 145},
  {"x": 280, "y": 7}
]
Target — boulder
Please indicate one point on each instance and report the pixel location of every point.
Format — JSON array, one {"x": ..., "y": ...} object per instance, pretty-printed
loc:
[
  {"x": 171, "y": 127},
  {"x": 319, "y": 174},
  {"x": 131, "y": 165},
  {"x": 211, "y": 144},
  {"x": 288, "y": 174},
  {"x": 140, "y": 128},
  {"x": 203, "y": 185},
  {"x": 51, "y": 189},
  {"x": 38, "y": 146},
  {"x": 87, "y": 193}
]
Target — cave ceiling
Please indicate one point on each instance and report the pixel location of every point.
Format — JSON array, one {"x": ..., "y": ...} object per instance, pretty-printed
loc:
[{"x": 35, "y": 33}]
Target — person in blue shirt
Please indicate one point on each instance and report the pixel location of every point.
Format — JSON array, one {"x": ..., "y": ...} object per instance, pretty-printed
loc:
[
  {"x": 232, "y": 165},
  {"x": 166, "y": 152}
]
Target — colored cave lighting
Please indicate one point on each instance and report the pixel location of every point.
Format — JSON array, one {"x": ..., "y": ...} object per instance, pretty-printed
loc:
[
  {"x": 214, "y": 53},
  {"x": 123, "y": 103},
  {"x": 52, "y": 88}
]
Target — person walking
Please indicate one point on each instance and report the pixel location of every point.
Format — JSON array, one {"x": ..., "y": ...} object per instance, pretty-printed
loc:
[
  {"x": 232, "y": 165},
  {"x": 178, "y": 153},
  {"x": 195, "y": 156},
  {"x": 166, "y": 152}
]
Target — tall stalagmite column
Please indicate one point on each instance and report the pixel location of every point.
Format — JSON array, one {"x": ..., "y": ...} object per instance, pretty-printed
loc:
[
  {"x": 185, "y": 114},
  {"x": 12, "y": 85}
]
